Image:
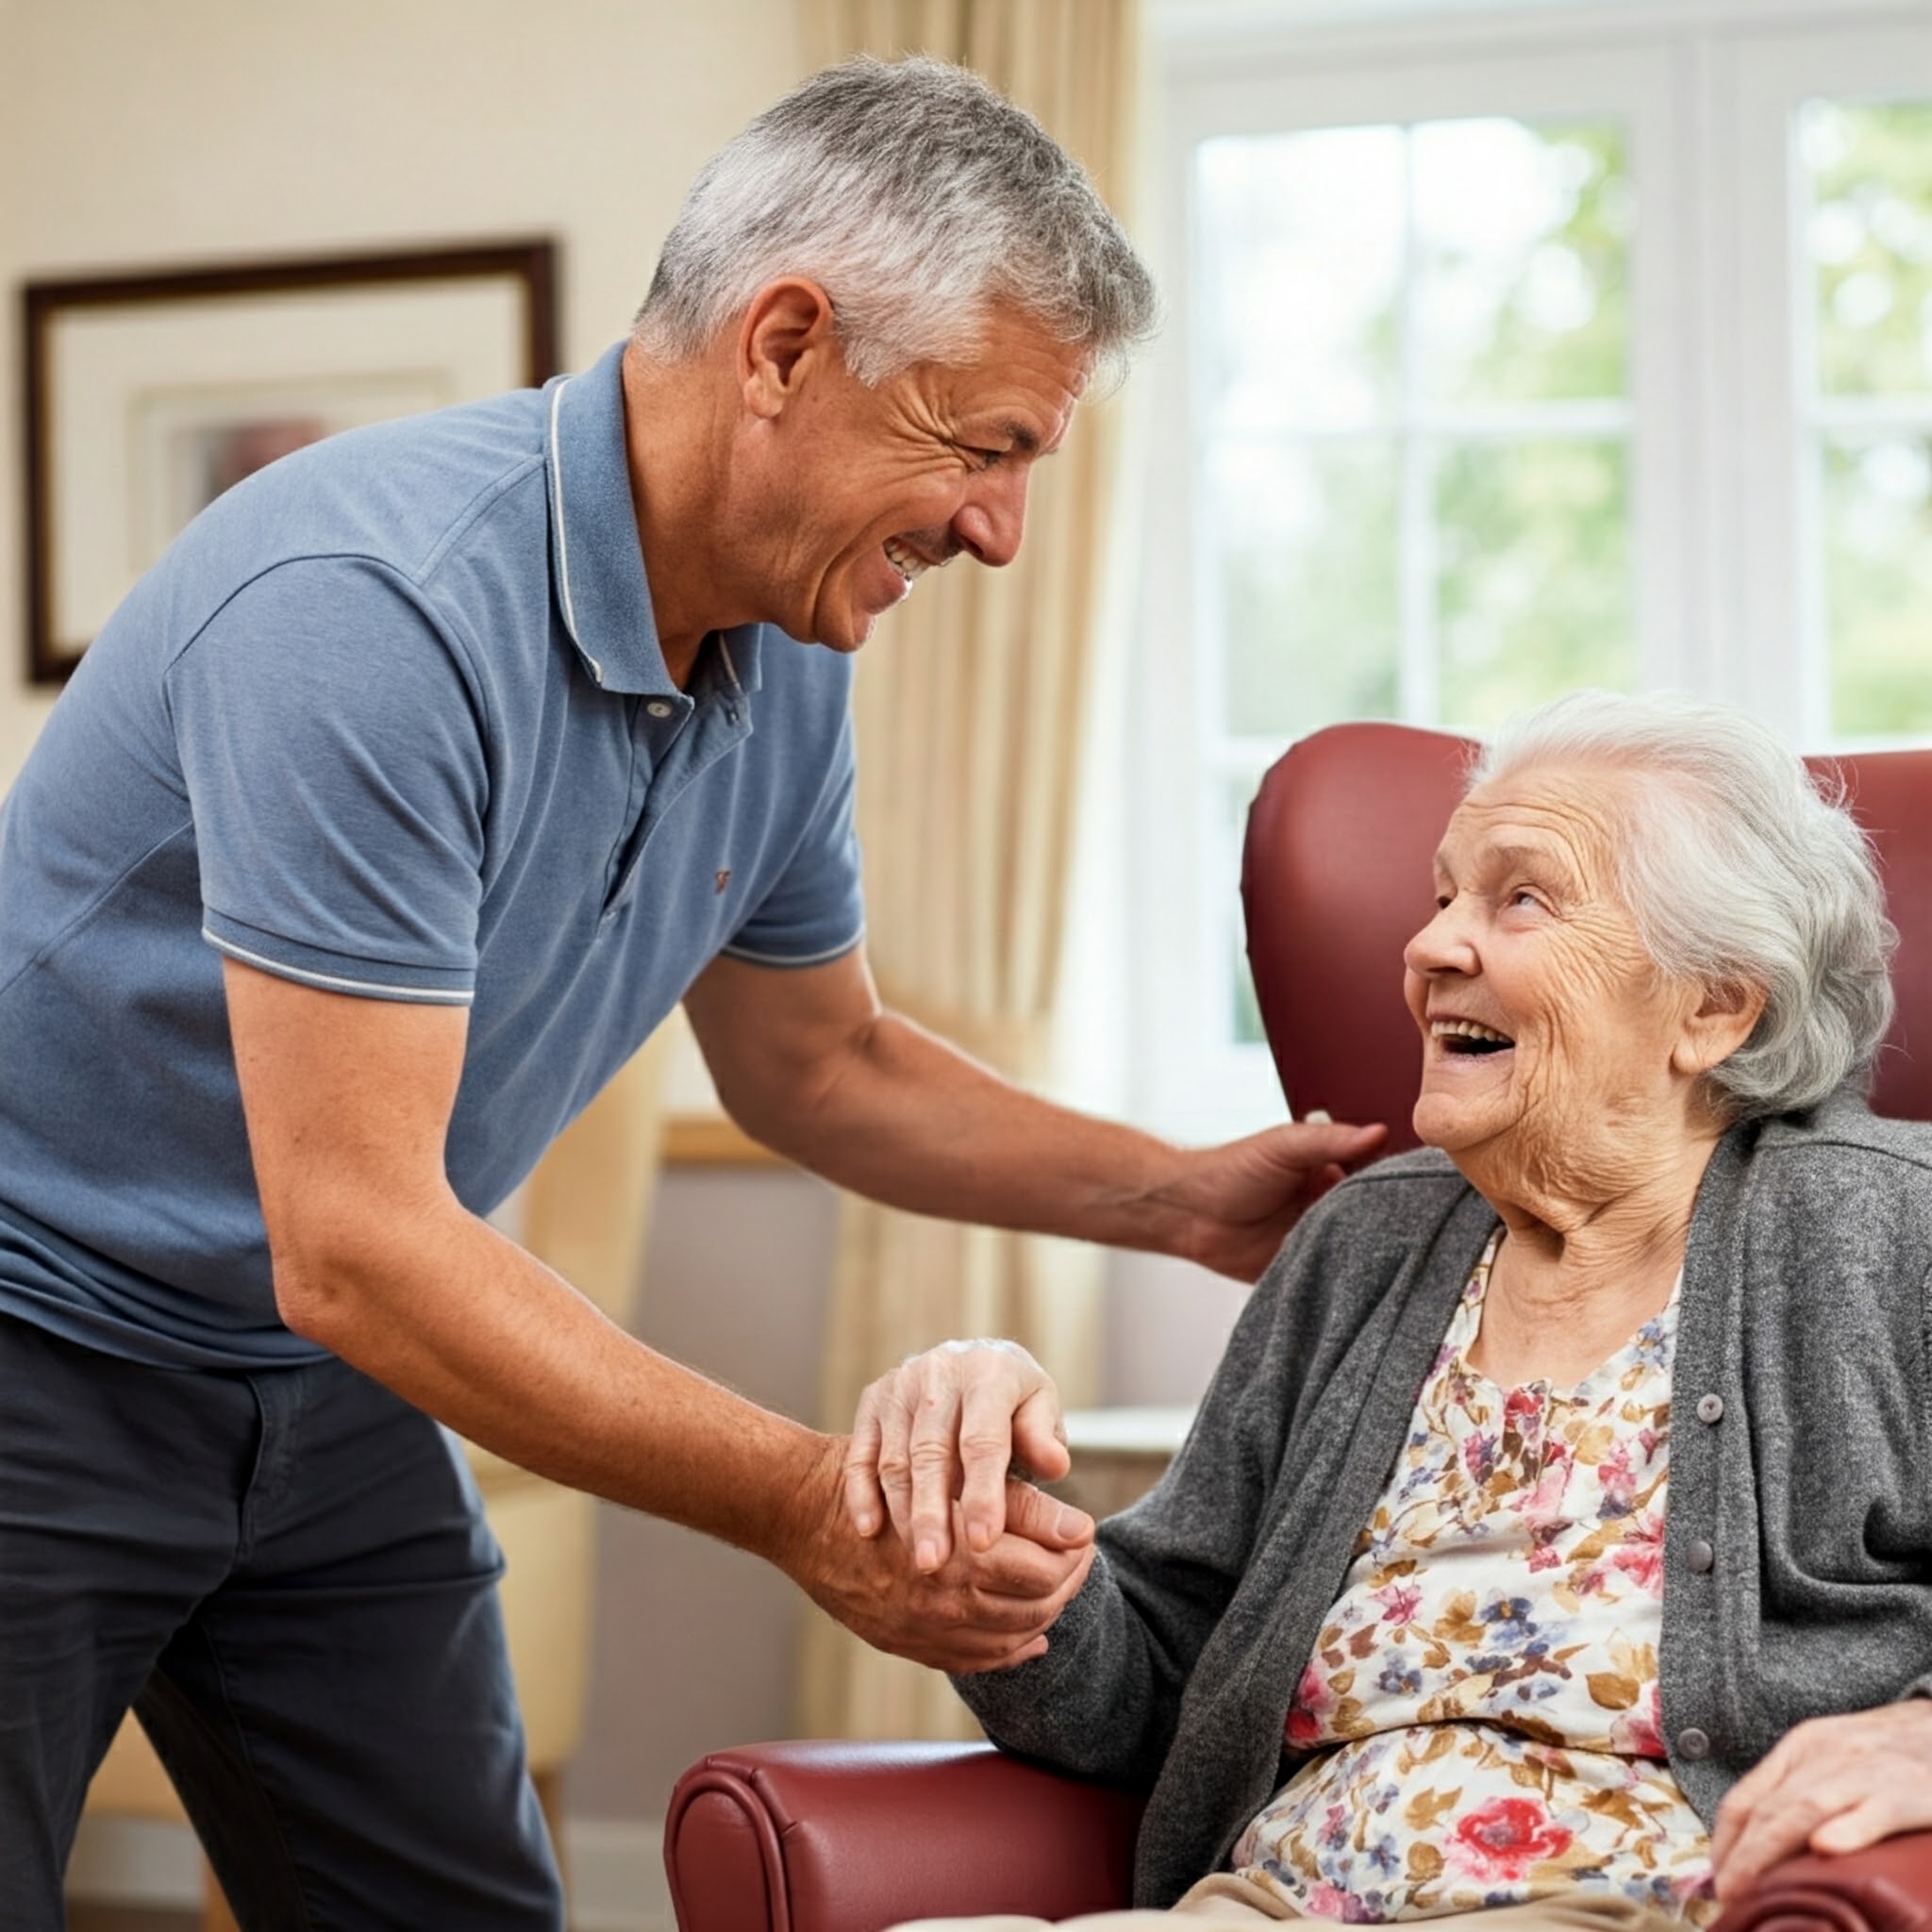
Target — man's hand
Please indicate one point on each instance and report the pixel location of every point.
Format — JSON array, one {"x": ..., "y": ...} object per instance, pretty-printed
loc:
[
  {"x": 934, "y": 1439},
  {"x": 1237, "y": 1201},
  {"x": 976, "y": 1610},
  {"x": 1836, "y": 1784}
]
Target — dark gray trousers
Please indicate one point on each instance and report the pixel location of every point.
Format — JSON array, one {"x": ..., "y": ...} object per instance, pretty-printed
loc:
[{"x": 288, "y": 1577}]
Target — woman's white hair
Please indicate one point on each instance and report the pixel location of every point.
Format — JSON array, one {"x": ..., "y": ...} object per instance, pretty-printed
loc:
[
  {"x": 916, "y": 196},
  {"x": 1741, "y": 870}
]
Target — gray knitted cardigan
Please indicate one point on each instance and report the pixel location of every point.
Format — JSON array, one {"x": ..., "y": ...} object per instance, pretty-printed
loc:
[{"x": 1801, "y": 1452}]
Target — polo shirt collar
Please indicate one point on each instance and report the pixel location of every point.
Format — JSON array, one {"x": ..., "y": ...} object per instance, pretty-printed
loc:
[{"x": 596, "y": 566}]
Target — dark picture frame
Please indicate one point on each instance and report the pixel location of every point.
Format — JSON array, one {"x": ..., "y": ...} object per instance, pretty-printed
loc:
[{"x": 149, "y": 392}]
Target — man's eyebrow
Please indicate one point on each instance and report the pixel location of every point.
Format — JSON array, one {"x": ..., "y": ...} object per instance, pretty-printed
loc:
[{"x": 1013, "y": 435}]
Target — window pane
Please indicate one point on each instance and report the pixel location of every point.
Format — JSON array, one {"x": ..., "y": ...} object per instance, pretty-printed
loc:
[
  {"x": 1535, "y": 592},
  {"x": 1870, "y": 240},
  {"x": 1522, "y": 276},
  {"x": 1303, "y": 536},
  {"x": 1877, "y": 502},
  {"x": 1299, "y": 276},
  {"x": 1244, "y": 1026}
]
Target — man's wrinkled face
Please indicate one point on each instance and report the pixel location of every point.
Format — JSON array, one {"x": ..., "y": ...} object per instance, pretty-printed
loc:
[{"x": 887, "y": 483}]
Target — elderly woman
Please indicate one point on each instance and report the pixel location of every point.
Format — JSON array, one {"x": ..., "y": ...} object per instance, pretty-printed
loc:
[{"x": 1557, "y": 1535}]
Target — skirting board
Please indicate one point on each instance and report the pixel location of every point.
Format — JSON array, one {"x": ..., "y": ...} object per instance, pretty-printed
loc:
[{"x": 616, "y": 1867}]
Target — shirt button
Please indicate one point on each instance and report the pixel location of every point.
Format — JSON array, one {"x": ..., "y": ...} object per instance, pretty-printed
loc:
[
  {"x": 1710, "y": 1409},
  {"x": 1693, "y": 1747},
  {"x": 658, "y": 708},
  {"x": 1700, "y": 1556}
]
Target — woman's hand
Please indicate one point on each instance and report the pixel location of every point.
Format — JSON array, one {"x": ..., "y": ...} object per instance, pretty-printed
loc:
[
  {"x": 949, "y": 1423},
  {"x": 1836, "y": 1784}
]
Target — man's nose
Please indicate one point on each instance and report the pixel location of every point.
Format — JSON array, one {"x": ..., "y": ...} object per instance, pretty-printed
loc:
[{"x": 991, "y": 520}]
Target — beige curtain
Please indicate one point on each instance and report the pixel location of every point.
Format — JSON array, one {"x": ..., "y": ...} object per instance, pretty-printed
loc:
[{"x": 969, "y": 709}]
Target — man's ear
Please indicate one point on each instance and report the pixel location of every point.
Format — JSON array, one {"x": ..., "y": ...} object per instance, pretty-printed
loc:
[
  {"x": 786, "y": 334},
  {"x": 1721, "y": 1024}
]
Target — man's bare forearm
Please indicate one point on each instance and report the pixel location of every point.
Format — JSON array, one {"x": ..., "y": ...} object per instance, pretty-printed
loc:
[
  {"x": 349, "y": 1103},
  {"x": 472, "y": 1329},
  {"x": 812, "y": 1062},
  {"x": 908, "y": 1120}
]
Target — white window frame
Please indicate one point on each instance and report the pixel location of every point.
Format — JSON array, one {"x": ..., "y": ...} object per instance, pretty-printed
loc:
[{"x": 1707, "y": 90}]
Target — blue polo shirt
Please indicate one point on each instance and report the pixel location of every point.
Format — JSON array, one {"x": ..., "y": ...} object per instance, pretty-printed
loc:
[{"x": 389, "y": 718}]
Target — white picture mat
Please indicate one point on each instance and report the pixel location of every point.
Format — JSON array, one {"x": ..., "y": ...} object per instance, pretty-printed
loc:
[{"x": 129, "y": 386}]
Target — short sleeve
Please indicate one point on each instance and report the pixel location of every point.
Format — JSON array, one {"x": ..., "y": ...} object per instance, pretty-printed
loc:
[
  {"x": 816, "y": 909},
  {"x": 334, "y": 755}
]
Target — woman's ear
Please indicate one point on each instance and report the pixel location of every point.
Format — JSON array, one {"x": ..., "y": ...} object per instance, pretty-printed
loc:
[{"x": 1721, "y": 1024}]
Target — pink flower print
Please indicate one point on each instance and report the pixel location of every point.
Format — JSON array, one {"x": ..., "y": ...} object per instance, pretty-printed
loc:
[
  {"x": 1504, "y": 1838},
  {"x": 1639, "y": 1732},
  {"x": 1313, "y": 1701},
  {"x": 1617, "y": 1482},
  {"x": 1400, "y": 1602},
  {"x": 1544, "y": 1557},
  {"x": 1480, "y": 1455},
  {"x": 1641, "y": 1555},
  {"x": 1522, "y": 1404},
  {"x": 1542, "y": 1502},
  {"x": 1647, "y": 1439},
  {"x": 1326, "y": 1902}
]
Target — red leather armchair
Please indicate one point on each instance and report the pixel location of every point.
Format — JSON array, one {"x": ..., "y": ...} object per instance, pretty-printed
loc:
[{"x": 855, "y": 1838}]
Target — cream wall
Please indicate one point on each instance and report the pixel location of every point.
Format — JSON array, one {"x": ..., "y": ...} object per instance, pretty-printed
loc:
[{"x": 137, "y": 132}]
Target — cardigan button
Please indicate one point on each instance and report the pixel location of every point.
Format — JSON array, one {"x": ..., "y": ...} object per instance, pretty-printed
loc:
[
  {"x": 1700, "y": 1556},
  {"x": 1710, "y": 1409},
  {"x": 1693, "y": 1745}
]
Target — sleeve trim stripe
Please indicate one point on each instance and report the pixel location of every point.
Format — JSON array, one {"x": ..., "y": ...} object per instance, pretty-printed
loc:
[
  {"x": 836, "y": 951},
  {"x": 570, "y": 615},
  {"x": 441, "y": 995}
]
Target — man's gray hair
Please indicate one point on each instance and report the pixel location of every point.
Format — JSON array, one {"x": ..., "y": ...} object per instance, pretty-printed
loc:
[
  {"x": 916, "y": 196},
  {"x": 1742, "y": 869}
]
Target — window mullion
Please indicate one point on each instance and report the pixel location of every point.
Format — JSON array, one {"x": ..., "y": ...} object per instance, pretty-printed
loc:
[{"x": 1418, "y": 678}]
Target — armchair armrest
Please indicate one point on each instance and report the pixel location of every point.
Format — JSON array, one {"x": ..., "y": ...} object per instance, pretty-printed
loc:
[
  {"x": 1885, "y": 1887},
  {"x": 854, "y": 1838}
]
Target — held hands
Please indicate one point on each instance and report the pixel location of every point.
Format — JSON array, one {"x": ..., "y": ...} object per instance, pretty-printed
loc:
[
  {"x": 1237, "y": 1201},
  {"x": 948, "y": 1425},
  {"x": 1836, "y": 1784},
  {"x": 982, "y": 1564},
  {"x": 984, "y": 1610}
]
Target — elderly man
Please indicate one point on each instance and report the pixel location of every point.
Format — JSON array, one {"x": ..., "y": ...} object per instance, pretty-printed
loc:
[{"x": 393, "y": 810}]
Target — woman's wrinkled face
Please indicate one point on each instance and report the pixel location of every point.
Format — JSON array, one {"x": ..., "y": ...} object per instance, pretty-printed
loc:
[{"x": 1552, "y": 1047}]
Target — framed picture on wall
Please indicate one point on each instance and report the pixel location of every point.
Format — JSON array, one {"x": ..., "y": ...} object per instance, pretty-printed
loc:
[{"x": 148, "y": 394}]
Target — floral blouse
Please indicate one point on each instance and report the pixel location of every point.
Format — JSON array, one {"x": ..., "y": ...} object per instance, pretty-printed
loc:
[{"x": 1479, "y": 1719}]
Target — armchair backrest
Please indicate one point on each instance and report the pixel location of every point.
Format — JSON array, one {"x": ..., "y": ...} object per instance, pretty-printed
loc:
[{"x": 1336, "y": 879}]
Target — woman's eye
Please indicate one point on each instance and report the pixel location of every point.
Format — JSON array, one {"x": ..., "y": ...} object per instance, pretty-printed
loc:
[{"x": 1522, "y": 895}]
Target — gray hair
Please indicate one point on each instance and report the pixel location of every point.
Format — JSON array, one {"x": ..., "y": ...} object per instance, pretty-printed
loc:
[
  {"x": 916, "y": 196},
  {"x": 1742, "y": 869}
]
